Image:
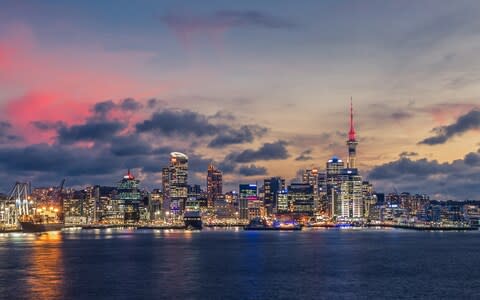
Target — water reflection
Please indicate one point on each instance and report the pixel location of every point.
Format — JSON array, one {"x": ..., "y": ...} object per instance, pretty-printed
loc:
[{"x": 44, "y": 276}]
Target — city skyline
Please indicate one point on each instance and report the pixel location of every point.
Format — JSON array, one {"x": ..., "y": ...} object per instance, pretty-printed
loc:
[{"x": 86, "y": 95}]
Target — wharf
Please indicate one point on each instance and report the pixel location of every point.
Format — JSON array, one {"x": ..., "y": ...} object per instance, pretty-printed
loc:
[{"x": 424, "y": 227}]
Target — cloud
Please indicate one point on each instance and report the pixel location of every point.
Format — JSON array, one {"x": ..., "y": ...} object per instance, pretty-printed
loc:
[
  {"x": 5, "y": 135},
  {"x": 457, "y": 180},
  {"x": 130, "y": 104},
  {"x": 103, "y": 108},
  {"x": 252, "y": 170},
  {"x": 225, "y": 19},
  {"x": 407, "y": 154},
  {"x": 269, "y": 151},
  {"x": 130, "y": 145},
  {"x": 214, "y": 25},
  {"x": 304, "y": 156},
  {"x": 464, "y": 123},
  {"x": 245, "y": 134},
  {"x": 182, "y": 122},
  {"x": 401, "y": 115},
  {"x": 90, "y": 131},
  {"x": 47, "y": 125}
]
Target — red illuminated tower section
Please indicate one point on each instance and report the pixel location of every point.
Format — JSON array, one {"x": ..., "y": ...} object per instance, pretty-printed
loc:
[{"x": 352, "y": 142}]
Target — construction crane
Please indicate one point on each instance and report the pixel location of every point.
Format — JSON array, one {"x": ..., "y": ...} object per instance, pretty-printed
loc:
[{"x": 16, "y": 205}]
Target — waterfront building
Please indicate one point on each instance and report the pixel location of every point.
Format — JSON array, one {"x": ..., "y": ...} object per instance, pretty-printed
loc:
[
  {"x": 155, "y": 205},
  {"x": 247, "y": 194},
  {"x": 283, "y": 204},
  {"x": 334, "y": 168},
  {"x": 175, "y": 182},
  {"x": 214, "y": 185},
  {"x": 301, "y": 197},
  {"x": 351, "y": 194},
  {"x": 310, "y": 176},
  {"x": 130, "y": 197},
  {"x": 271, "y": 187}
]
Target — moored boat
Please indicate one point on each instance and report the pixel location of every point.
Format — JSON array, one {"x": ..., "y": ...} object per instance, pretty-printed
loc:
[{"x": 31, "y": 226}]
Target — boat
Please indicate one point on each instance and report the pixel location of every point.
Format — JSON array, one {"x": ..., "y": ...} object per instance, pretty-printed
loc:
[
  {"x": 39, "y": 223},
  {"x": 192, "y": 220},
  {"x": 30, "y": 226}
]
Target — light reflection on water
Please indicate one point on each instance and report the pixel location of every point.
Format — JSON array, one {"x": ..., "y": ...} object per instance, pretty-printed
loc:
[
  {"x": 44, "y": 277},
  {"x": 229, "y": 264}
]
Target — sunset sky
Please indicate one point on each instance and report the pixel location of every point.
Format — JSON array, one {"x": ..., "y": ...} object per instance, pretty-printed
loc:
[{"x": 261, "y": 88}]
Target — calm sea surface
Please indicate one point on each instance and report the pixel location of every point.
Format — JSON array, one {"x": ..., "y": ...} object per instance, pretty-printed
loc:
[{"x": 221, "y": 264}]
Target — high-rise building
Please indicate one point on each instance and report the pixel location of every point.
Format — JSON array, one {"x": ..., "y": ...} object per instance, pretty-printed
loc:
[
  {"x": 214, "y": 185},
  {"x": 175, "y": 182},
  {"x": 166, "y": 190},
  {"x": 352, "y": 142},
  {"x": 129, "y": 194},
  {"x": 301, "y": 197},
  {"x": 351, "y": 194},
  {"x": 247, "y": 194},
  {"x": 283, "y": 204},
  {"x": 271, "y": 187},
  {"x": 334, "y": 167},
  {"x": 310, "y": 176}
]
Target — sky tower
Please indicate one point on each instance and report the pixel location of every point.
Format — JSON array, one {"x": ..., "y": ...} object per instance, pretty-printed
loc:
[{"x": 351, "y": 142}]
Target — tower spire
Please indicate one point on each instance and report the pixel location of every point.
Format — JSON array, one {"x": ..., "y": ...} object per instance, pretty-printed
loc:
[{"x": 351, "y": 133}]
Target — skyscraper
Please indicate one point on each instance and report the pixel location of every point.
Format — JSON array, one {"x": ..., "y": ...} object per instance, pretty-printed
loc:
[
  {"x": 334, "y": 167},
  {"x": 177, "y": 182},
  {"x": 301, "y": 196},
  {"x": 247, "y": 194},
  {"x": 129, "y": 194},
  {"x": 214, "y": 184},
  {"x": 352, "y": 142},
  {"x": 351, "y": 194},
  {"x": 271, "y": 188},
  {"x": 310, "y": 176}
]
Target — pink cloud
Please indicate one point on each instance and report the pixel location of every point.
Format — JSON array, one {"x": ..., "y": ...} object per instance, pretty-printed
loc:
[
  {"x": 446, "y": 112},
  {"x": 62, "y": 83}
]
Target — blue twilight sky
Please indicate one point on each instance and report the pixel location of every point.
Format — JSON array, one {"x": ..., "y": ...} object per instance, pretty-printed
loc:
[{"x": 262, "y": 88}]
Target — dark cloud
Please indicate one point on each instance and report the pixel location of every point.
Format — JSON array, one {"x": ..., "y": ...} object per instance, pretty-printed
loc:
[
  {"x": 464, "y": 123},
  {"x": 101, "y": 109},
  {"x": 90, "y": 131},
  {"x": 401, "y": 115},
  {"x": 407, "y": 154},
  {"x": 227, "y": 166},
  {"x": 5, "y": 133},
  {"x": 473, "y": 159},
  {"x": 47, "y": 125},
  {"x": 457, "y": 180},
  {"x": 153, "y": 103},
  {"x": 130, "y": 145},
  {"x": 304, "y": 156},
  {"x": 245, "y": 134},
  {"x": 187, "y": 123},
  {"x": 252, "y": 170},
  {"x": 224, "y": 19},
  {"x": 130, "y": 104},
  {"x": 269, "y": 151},
  {"x": 182, "y": 122},
  {"x": 55, "y": 159}
]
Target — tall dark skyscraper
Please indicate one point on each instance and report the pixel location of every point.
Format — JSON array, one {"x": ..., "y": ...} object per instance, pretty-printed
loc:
[
  {"x": 352, "y": 142},
  {"x": 272, "y": 186},
  {"x": 214, "y": 184}
]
